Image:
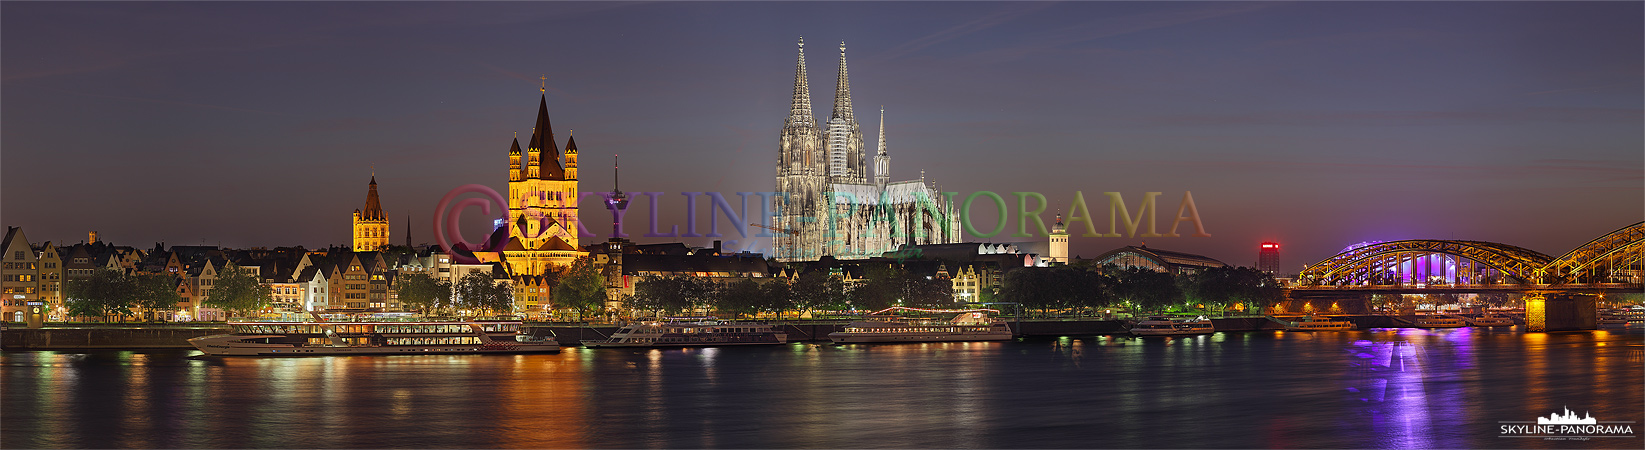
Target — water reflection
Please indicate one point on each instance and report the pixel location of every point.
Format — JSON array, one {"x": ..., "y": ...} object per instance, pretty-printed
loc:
[{"x": 1380, "y": 388}]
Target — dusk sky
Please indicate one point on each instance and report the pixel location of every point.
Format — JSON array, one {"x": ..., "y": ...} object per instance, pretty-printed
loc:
[{"x": 1317, "y": 125}]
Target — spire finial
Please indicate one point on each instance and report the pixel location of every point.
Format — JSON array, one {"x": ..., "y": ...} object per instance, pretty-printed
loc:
[{"x": 544, "y": 88}]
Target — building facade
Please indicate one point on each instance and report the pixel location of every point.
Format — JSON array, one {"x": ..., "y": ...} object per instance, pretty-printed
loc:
[
  {"x": 1268, "y": 258},
  {"x": 19, "y": 274},
  {"x": 827, "y": 205}
]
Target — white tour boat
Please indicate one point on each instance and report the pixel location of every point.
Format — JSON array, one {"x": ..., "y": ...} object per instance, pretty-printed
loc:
[
  {"x": 1312, "y": 323},
  {"x": 372, "y": 336},
  {"x": 1490, "y": 320},
  {"x": 968, "y": 325},
  {"x": 1439, "y": 321},
  {"x": 1165, "y": 326},
  {"x": 691, "y": 332}
]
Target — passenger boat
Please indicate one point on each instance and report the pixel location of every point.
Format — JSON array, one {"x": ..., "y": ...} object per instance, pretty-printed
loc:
[
  {"x": 1165, "y": 326},
  {"x": 1320, "y": 324},
  {"x": 1490, "y": 320},
  {"x": 691, "y": 332},
  {"x": 1439, "y": 322},
  {"x": 372, "y": 336},
  {"x": 888, "y": 326},
  {"x": 1613, "y": 319}
]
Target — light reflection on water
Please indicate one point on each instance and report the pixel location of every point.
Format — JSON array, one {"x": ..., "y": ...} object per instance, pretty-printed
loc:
[{"x": 1380, "y": 388}]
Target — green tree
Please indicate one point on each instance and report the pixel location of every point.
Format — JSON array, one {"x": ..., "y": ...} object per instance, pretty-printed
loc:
[
  {"x": 155, "y": 292},
  {"x": 105, "y": 293},
  {"x": 238, "y": 291},
  {"x": 1219, "y": 287},
  {"x": 478, "y": 291},
  {"x": 739, "y": 298},
  {"x": 1147, "y": 289},
  {"x": 819, "y": 290},
  {"x": 580, "y": 286},
  {"x": 669, "y": 295},
  {"x": 927, "y": 292},
  {"x": 1028, "y": 287},
  {"x": 777, "y": 296},
  {"x": 881, "y": 288},
  {"x": 421, "y": 292}
]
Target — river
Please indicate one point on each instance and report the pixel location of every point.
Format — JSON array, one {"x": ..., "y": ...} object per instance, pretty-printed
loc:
[{"x": 1380, "y": 388}]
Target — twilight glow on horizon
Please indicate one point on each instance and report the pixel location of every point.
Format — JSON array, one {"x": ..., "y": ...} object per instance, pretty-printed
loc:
[{"x": 1316, "y": 125}]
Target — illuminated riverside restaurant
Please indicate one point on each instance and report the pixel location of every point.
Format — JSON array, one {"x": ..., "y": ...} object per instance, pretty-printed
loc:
[{"x": 1175, "y": 263}]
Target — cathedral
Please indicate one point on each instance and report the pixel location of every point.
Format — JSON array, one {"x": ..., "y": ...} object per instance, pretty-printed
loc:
[
  {"x": 542, "y": 201},
  {"x": 830, "y": 206}
]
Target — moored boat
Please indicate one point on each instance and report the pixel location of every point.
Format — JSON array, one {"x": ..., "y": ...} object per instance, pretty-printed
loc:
[
  {"x": 372, "y": 336},
  {"x": 1312, "y": 323},
  {"x": 690, "y": 332},
  {"x": 1613, "y": 319},
  {"x": 1165, "y": 326},
  {"x": 889, "y": 325},
  {"x": 1439, "y": 321},
  {"x": 1490, "y": 320}
]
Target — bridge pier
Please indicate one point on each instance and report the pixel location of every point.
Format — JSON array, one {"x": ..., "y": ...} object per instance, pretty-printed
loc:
[{"x": 1561, "y": 313}]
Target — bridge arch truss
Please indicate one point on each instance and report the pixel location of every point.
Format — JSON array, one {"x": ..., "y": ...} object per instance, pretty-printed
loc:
[
  {"x": 1425, "y": 261},
  {"x": 1613, "y": 257}
]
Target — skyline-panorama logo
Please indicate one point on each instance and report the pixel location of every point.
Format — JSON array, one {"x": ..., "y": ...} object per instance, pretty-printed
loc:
[{"x": 1567, "y": 426}]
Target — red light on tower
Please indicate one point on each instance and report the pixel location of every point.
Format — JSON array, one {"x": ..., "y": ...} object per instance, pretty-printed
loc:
[{"x": 1268, "y": 258}]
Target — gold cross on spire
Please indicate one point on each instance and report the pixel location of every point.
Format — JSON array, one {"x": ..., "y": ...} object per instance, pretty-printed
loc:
[{"x": 544, "y": 88}]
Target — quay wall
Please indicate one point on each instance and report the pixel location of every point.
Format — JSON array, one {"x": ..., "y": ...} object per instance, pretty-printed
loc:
[{"x": 92, "y": 338}]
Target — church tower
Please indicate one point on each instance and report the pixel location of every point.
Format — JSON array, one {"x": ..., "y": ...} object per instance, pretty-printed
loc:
[
  {"x": 542, "y": 199},
  {"x": 370, "y": 225}
]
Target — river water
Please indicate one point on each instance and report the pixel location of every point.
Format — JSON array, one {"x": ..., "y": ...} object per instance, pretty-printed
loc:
[{"x": 1381, "y": 388}]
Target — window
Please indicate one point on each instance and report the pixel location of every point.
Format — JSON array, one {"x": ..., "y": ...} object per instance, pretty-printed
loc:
[{"x": 18, "y": 255}]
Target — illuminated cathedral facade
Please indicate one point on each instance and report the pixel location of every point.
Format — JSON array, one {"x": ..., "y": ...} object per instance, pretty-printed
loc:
[{"x": 829, "y": 206}]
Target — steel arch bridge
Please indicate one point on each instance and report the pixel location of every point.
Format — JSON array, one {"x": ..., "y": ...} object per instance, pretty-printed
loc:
[
  {"x": 1479, "y": 262},
  {"x": 1412, "y": 259},
  {"x": 1598, "y": 259}
]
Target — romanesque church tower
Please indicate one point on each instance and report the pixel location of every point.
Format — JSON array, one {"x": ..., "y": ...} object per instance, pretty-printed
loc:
[{"x": 542, "y": 200}]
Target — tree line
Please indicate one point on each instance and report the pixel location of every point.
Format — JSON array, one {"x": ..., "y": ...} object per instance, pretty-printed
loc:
[
  {"x": 112, "y": 293},
  {"x": 882, "y": 286},
  {"x": 1084, "y": 288}
]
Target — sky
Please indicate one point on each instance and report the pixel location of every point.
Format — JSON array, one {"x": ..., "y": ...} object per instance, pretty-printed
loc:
[{"x": 1317, "y": 125}]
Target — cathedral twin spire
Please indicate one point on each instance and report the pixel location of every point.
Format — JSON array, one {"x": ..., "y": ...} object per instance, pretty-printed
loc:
[{"x": 836, "y": 148}]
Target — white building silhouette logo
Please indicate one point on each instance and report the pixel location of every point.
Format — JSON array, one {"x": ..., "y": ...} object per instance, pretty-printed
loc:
[
  {"x": 1566, "y": 426},
  {"x": 1569, "y": 418}
]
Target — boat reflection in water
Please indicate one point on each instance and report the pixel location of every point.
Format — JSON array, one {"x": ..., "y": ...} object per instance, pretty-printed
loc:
[
  {"x": 1165, "y": 326},
  {"x": 891, "y": 325},
  {"x": 691, "y": 332},
  {"x": 372, "y": 335}
]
